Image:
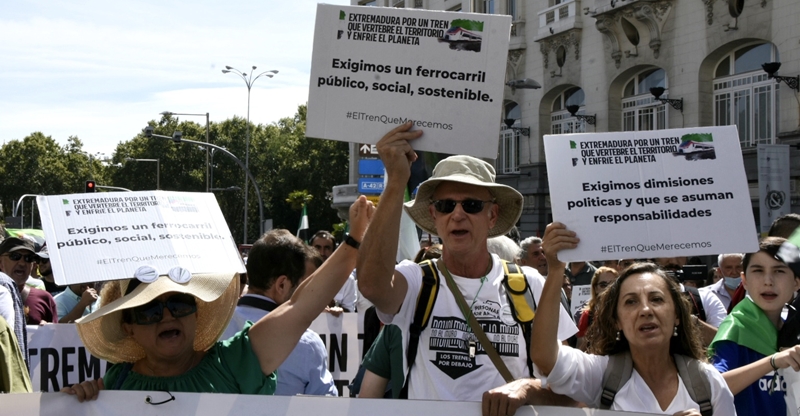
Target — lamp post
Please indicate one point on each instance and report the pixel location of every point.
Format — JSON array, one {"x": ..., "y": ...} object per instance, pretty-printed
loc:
[
  {"x": 248, "y": 81},
  {"x": 170, "y": 113},
  {"x": 177, "y": 138},
  {"x": 158, "y": 168}
]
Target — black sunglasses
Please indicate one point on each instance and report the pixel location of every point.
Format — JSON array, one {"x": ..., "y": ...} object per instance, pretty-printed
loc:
[
  {"x": 179, "y": 305},
  {"x": 30, "y": 258},
  {"x": 470, "y": 206}
]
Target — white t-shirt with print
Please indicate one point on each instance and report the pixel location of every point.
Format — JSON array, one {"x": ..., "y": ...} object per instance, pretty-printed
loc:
[{"x": 443, "y": 369}]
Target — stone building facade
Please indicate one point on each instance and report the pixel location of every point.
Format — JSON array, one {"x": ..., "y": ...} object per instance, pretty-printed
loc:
[{"x": 599, "y": 59}]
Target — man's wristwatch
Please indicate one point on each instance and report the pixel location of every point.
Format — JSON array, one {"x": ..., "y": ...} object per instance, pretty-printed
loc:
[{"x": 350, "y": 241}]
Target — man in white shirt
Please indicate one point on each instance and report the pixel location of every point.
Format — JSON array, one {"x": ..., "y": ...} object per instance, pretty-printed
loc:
[
  {"x": 463, "y": 205},
  {"x": 729, "y": 271}
]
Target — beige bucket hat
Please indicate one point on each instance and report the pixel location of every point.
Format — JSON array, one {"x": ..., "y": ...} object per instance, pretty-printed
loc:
[
  {"x": 216, "y": 295},
  {"x": 472, "y": 171}
]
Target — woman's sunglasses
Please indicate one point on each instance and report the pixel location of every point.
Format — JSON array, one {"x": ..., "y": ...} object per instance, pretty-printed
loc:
[
  {"x": 603, "y": 285},
  {"x": 179, "y": 305},
  {"x": 30, "y": 258},
  {"x": 470, "y": 206}
]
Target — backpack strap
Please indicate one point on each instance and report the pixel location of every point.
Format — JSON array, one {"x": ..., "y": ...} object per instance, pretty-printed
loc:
[
  {"x": 520, "y": 296},
  {"x": 697, "y": 303},
  {"x": 422, "y": 313},
  {"x": 696, "y": 381},
  {"x": 618, "y": 372},
  {"x": 522, "y": 303}
]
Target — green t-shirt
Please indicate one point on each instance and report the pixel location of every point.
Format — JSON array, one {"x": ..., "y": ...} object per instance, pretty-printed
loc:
[
  {"x": 229, "y": 366},
  {"x": 385, "y": 357}
]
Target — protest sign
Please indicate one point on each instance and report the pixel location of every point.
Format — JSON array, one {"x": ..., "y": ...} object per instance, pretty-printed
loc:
[
  {"x": 647, "y": 194},
  {"x": 374, "y": 68},
  {"x": 580, "y": 297},
  {"x": 110, "y": 403},
  {"x": 342, "y": 340},
  {"x": 106, "y": 236},
  {"x": 58, "y": 357}
]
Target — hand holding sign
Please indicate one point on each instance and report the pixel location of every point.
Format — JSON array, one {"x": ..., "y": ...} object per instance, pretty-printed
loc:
[{"x": 396, "y": 152}]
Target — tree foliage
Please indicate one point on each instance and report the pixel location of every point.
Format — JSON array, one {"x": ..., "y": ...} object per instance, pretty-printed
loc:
[
  {"x": 37, "y": 165},
  {"x": 282, "y": 160}
]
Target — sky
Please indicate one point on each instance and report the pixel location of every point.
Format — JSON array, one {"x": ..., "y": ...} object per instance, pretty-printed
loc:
[{"x": 100, "y": 70}]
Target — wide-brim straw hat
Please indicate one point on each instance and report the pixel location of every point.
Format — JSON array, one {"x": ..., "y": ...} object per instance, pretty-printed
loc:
[
  {"x": 216, "y": 294},
  {"x": 472, "y": 171}
]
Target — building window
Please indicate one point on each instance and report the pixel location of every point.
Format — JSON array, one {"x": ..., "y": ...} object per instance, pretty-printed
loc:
[
  {"x": 509, "y": 151},
  {"x": 561, "y": 121},
  {"x": 484, "y": 6},
  {"x": 745, "y": 96},
  {"x": 511, "y": 9},
  {"x": 368, "y": 3},
  {"x": 640, "y": 110},
  {"x": 508, "y": 161}
]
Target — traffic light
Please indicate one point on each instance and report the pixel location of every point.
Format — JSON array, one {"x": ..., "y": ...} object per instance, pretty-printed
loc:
[{"x": 90, "y": 186}]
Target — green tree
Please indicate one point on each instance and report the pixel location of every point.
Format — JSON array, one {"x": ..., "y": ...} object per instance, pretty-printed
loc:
[{"x": 38, "y": 165}]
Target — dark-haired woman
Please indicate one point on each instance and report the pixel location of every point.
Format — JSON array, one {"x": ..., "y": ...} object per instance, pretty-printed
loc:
[{"x": 642, "y": 314}]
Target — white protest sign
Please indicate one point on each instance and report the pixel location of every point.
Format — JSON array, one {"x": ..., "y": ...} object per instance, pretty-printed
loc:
[
  {"x": 580, "y": 297},
  {"x": 374, "y": 68},
  {"x": 342, "y": 340},
  {"x": 59, "y": 359},
  {"x": 105, "y": 236},
  {"x": 646, "y": 194},
  {"x": 110, "y": 403}
]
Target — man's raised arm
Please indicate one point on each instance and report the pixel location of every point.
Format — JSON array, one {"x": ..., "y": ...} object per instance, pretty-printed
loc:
[{"x": 376, "y": 257}]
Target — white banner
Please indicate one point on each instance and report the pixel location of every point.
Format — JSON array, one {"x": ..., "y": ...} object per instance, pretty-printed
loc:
[
  {"x": 374, "y": 68},
  {"x": 58, "y": 357},
  {"x": 774, "y": 192},
  {"x": 106, "y": 236},
  {"x": 649, "y": 194},
  {"x": 342, "y": 339},
  {"x": 111, "y": 403}
]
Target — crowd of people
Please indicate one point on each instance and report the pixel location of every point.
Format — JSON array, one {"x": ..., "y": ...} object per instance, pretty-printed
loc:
[{"x": 477, "y": 315}]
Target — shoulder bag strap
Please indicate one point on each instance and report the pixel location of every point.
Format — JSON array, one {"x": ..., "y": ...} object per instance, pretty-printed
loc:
[
  {"x": 618, "y": 372},
  {"x": 696, "y": 382},
  {"x": 475, "y": 326},
  {"x": 422, "y": 313}
]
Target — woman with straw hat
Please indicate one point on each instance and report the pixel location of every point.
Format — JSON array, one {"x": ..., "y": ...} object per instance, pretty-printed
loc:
[{"x": 161, "y": 333}]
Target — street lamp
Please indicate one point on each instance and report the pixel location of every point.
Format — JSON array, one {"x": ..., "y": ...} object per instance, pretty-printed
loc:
[
  {"x": 170, "y": 113},
  {"x": 158, "y": 168},
  {"x": 177, "y": 137},
  {"x": 573, "y": 110},
  {"x": 248, "y": 80}
]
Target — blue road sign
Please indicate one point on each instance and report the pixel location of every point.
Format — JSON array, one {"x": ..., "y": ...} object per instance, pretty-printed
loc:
[
  {"x": 370, "y": 167},
  {"x": 370, "y": 185}
]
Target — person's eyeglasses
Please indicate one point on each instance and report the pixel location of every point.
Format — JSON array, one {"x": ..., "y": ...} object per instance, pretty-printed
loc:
[
  {"x": 30, "y": 258},
  {"x": 603, "y": 285},
  {"x": 179, "y": 305},
  {"x": 470, "y": 206},
  {"x": 43, "y": 260}
]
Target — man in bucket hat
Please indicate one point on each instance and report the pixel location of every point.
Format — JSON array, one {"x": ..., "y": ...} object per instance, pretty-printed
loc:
[{"x": 462, "y": 205}]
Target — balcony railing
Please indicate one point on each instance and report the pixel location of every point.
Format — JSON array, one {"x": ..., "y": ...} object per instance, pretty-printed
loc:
[{"x": 559, "y": 18}]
